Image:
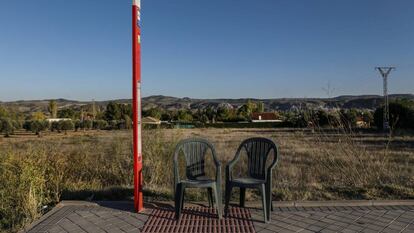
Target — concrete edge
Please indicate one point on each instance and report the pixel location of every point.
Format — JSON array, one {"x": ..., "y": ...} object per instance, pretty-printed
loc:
[
  {"x": 395, "y": 202},
  {"x": 343, "y": 203},
  {"x": 77, "y": 203}
]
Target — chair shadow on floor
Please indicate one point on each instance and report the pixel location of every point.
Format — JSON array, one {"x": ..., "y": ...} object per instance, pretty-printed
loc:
[{"x": 120, "y": 199}]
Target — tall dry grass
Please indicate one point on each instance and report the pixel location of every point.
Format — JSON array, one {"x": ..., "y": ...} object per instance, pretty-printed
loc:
[
  {"x": 319, "y": 164},
  {"x": 331, "y": 164},
  {"x": 36, "y": 174}
]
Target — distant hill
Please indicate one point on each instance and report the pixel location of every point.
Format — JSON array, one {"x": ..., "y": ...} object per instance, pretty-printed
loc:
[
  {"x": 174, "y": 103},
  {"x": 282, "y": 104}
]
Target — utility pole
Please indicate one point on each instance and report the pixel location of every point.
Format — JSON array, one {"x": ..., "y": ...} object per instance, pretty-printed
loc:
[
  {"x": 385, "y": 71},
  {"x": 136, "y": 104}
]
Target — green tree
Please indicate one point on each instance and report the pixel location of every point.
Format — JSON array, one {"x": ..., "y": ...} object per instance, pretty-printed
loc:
[
  {"x": 244, "y": 112},
  {"x": 17, "y": 124},
  {"x": 184, "y": 116},
  {"x": 100, "y": 115},
  {"x": 211, "y": 114},
  {"x": 113, "y": 112},
  {"x": 166, "y": 116},
  {"x": 401, "y": 115},
  {"x": 67, "y": 113},
  {"x": 260, "y": 107},
  {"x": 66, "y": 125},
  {"x": 126, "y": 110},
  {"x": 200, "y": 116},
  {"x": 154, "y": 112},
  {"x": 100, "y": 124},
  {"x": 55, "y": 126},
  {"x": 224, "y": 113},
  {"x": 322, "y": 118},
  {"x": 3, "y": 112},
  {"x": 368, "y": 117},
  {"x": 6, "y": 126},
  {"x": 251, "y": 105},
  {"x": 87, "y": 124},
  {"x": 114, "y": 124},
  {"x": 127, "y": 122},
  {"x": 349, "y": 117},
  {"x": 36, "y": 126},
  {"x": 53, "y": 108},
  {"x": 38, "y": 116},
  {"x": 298, "y": 119},
  {"x": 78, "y": 125},
  {"x": 204, "y": 119}
]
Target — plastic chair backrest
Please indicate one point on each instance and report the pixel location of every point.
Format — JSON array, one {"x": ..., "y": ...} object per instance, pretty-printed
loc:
[
  {"x": 258, "y": 150},
  {"x": 194, "y": 151}
]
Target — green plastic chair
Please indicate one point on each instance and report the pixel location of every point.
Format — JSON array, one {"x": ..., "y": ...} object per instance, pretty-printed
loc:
[
  {"x": 259, "y": 176},
  {"x": 194, "y": 151}
]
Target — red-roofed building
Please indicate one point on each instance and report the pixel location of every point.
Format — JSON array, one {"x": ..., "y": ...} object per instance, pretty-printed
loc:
[{"x": 265, "y": 117}]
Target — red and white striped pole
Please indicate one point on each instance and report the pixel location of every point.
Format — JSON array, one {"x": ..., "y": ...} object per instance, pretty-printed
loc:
[{"x": 136, "y": 104}]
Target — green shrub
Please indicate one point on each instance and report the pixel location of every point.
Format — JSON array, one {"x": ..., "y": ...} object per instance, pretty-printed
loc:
[
  {"x": 401, "y": 115},
  {"x": 100, "y": 124},
  {"x": 66, "y": 125},
  {"x": 55, "y": 126},
  {"x": 87, "y": 124},
  {"x": 78, "y": 125},
  {"x": 6, "y": 126},
  {"x": 36, "y": 126}
]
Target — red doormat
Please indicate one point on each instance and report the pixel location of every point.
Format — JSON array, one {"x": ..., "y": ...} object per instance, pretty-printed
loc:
[{"x": 199, "y": 219}]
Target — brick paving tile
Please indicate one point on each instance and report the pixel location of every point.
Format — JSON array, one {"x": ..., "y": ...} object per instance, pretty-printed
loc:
[
  {"x": 348, "y": 231},
  {"x": 347, "y": 219},
  {"x": 121, "y": 218}
]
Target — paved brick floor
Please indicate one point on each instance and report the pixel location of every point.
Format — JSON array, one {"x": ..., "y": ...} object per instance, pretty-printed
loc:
[
  {"x": 83, "y": 217},
  {"x": 119, "y": 217},
  {"x": 339, "y": 219}
]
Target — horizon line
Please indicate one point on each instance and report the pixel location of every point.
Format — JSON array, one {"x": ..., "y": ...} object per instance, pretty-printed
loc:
[{"x": 219, "y": 98}]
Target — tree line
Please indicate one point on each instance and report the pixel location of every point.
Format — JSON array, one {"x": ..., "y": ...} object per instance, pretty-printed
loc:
[
  {"x": 222, "y": 113},
  {"x": 118, "y": 116},
  {"x": 114, "y": 116}
]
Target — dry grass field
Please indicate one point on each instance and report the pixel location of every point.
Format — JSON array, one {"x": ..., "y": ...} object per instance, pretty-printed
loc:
[{"x": 37, "y": 172}]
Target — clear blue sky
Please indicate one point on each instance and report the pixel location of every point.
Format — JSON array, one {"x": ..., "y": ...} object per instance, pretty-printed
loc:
[{"x": 80, "y": 49}]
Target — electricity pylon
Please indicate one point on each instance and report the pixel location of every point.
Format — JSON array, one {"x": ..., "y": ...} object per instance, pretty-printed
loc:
[{"x": 385, "y": 71}]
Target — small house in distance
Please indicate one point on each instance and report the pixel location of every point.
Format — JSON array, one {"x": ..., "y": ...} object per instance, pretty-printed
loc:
[
  {"x": 151, "y": 121},
  {"x": 50, "y": 120},
  {"x": 361, "y": 123},
  {"x": 265, "y": 117}
]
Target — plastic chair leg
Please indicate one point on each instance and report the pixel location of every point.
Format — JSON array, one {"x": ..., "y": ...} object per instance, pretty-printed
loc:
[
  {"x": 182, "y": 199},
  {"x": 179, "y": 191},
  {"x": 218, "y": 206},
  {"x": 219, "y": 197},
  {"x": 269, "y": 197},
  {"x": 269, "y": 206},
  {"x": 242, "y": 197},
  {"x": 264, "y": 202},
  {"x": 227, "y": 197},
  {"x": 210, "y": 197}
]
